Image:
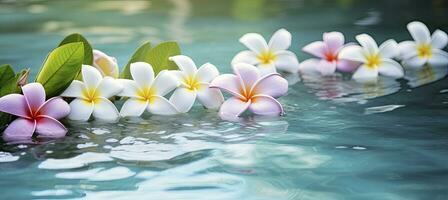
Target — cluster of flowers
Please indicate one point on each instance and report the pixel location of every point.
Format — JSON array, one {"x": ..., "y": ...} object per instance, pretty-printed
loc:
[{"x": 254, "y": 86}]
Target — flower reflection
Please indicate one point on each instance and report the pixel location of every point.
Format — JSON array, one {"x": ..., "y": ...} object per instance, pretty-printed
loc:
[{"x": 425, "y": 75}]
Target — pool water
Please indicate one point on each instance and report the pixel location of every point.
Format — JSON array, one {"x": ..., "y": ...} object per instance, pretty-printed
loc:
[{"x": 338, "y": 140}]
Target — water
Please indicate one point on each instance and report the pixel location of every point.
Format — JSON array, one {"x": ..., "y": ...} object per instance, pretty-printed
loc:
[{"x": 338, "y": 140}]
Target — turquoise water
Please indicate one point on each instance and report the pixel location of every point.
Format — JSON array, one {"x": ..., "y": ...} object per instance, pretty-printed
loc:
[{"x": 338, "y": 140}]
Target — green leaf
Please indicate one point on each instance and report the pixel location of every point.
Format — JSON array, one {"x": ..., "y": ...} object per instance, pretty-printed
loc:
[
  {"x": 60, "y": 68},
  {"x": 8, "y": 85},
  {"x": 138, "y": 55},
  {"x": 88, "y": 52},
  {"x": 6, "y": 73}
]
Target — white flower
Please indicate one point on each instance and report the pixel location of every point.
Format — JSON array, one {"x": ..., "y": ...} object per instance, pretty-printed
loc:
[
  {"x": 92, "y": 96},
  {"x": 195, "y": 83},
  {"x": 105, "y": 64},
  {"x": 425, "y": 49},
  {"x": 146, "y": 92},
  {"x": 375, "y": 60},
  {"x": 268, "y": 57}
]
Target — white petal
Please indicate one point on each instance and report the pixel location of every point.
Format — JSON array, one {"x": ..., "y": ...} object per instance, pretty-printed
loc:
[
  {"x": 254, "y": 42},
  {"x": 130, "y": 88},
  {"x": 407, "y": 49},
  {"x": 419, "y": 32},
  {"x": 133, "y": 107},
  {"x": 309, "y": 66},
  {"x": 365, "y": 73},
  {"x": 247, "y": 56},
  {"x": 109, "y": 87},
  {"x": 183, "y": 99},
  {"x": 266, "y": 69},
  {"x": 414, "y": 62},
  {"x": 185, "y": 64},
  {"x": 353, "y": 53},
  {"x": 164, "y": 83},
  {"x": 281, "y": 40},
  {"x": 389, "y": 49},
  {"x": 75, "y": 89},
  {"x": 439, "y": 39},
  {"x": 326, "y": 68},
  {"x": 287, "y": 61},
  {"x": 368, "y": 43},
  {"x": 142, "y": 73},
  {"x": 105, "y": 110},
  {"x": 80, "y": 110},
  {"x": 390, "y": 68},
  {"x": 91, "y": 76},
  {"x": 438, "y": 58},
  {"x": 161, "y": 106},
  {"x": 211, "y": 98},
  {"x": 207, "y": 73}
]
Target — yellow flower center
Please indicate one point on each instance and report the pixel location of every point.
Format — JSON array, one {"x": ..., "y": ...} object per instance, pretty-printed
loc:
[
  {"x": 91, "y": 95},
  {"x": 267, "y": 57},
  {"x": 192, "y": 83},
  {"x": 373, "y": 61},
  {"x": 146, "y": 94},
  {"x": 424, "y": 51}
]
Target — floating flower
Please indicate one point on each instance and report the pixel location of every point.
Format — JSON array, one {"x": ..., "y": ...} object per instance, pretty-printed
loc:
[
  {"x": 268, "y": 57},
  {"x": 146, "y": 92},
  {"x": 92, "y": 96},
  {"x": 251, "y": 91},
  {"x": 105, "y": 64},
  {"x": 328, "y": 53},
  {"x": 425, "y": 49},
  {"x": 34, "y": 113},
  {"x": 195, "y": 83},
  {"x": 375, "y": 60}
]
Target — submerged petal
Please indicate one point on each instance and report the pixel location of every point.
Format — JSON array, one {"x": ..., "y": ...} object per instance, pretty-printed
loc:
[
  {"x": 109, "y": 87},
  {"x": 439, "y": 39},
  {"x": 161, "y": 106},
  {"x": 80, "y": 109},
  {"x": 91, "y": 76},
  {"x": 185, "y": 64},
  {"x": 247, "y": 56},
  {"x": 419, "y": 32},
  {"x": 19, "y": 129},
  {"x": 287, "y": 61},
  {"x": 254, "y": 42},
  {"x": 391, "y": 68},
  {"x": 265, "y": 105},
  {"x": 55, "y": 107},
  {"x": 15, "y": 104},
  {"x": 34, "y": 94},
  {"x": 133, "y": 107},
  {"x": 273, "y": 85},
  {"x": 207, "y": 73},
  {"x": 280, "y": 40},
  {"x": 233, "y": 107},
  {"x": 47, "y": 126},
  {"x": 104, "y": 109},
  {"x": 211, "y": 98},
  {"x": 317, "y": 49},
  {"x": 183, "y": 99},
  {"x": 229, "y": 83},
  {"x": 334, "y": 41},
  {"x": 75, "y": 89}
]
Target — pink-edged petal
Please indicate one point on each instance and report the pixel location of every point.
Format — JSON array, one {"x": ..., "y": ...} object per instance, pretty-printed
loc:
[
  {"x": 15, "y": 104},
  {"x": 389, "y": 49},
  {"x": 104, "y": 109},
  {"x": 414, "y": 62},
  {"x": 287, "y": 61},
  {"x": 317, "y": 49},
  {"x": 439, "y": 39},
  {"x": 19, "y": 129},
  {"x": 407, "y": 49},
  {"x": 438, "y": 58},
  {"x": 334, "y": 41},
  {"x": 34, "y": 94},
  {"x": 75, "y": 89},
  {"x": 133, "y": 107},
  {"x": 47, "y": 126},
  {"x": 248, "y": 74},
  {"x": 55, "y": 107},
  {"x": 391, "y": 68},
  {"x": 254, "y": 42},
  {"x": 183, "y": 99},
  {"x": 309, "y": 66},
  {"x": 161, "y": 106},
  {"x": 265, "y": 105},
  {"x": 368, "y": 43},
  {"x": 365, "y": 73},
  {"x": 247, "y": 56},
  {"x": 326, "y": 68},
  {"x": 211, "y": 98},
  {"x": 80, "y": 110},
  {"x": 185, "y": 64},
  {"x": 206, "y": 73},
  {"x": 233, "y": 107},
  {"x": 347, "y": 65},
  {"x": 229, "y": 83},
  {"x": 91, "y": 76},
  {"x": 280, "y": 40},
  {"x": 419, "y": 32},
  {"x": 353, "y": 53},
  {"x": 109, "y": 87},
  {"x": 273, "y": 85}
]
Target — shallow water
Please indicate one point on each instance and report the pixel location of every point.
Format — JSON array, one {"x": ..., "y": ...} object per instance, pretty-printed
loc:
[{"x": 339, "y": 139}]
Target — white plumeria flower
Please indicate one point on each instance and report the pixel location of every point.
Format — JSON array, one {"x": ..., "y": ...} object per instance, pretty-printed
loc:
[
  {"x": 375, "y": 60},
  {"x": 146, "y": 92},
  {"x": 92, "y": 96},
  {"x": 195, "y": 83},
  {"x": 268, "y": 57},
  {"x": 425, "y": 49}
]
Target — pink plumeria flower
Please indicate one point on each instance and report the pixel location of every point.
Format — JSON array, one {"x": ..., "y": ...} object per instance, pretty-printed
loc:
[
  {"x": 251, "y": 90},
  {"x": 268, "y": 57},
  {"x": 34, "y": 113},
  {"x": 107, "y": 65},
  {"x": 327, "y": 53}
]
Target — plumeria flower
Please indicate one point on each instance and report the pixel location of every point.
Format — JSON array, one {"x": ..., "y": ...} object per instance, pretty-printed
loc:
[
  {"x": 105, "y": 64},
  {"x": 251, "y": 90},
  {"x": 92, "y": 96},
  {"x": 146, "y": 92},
  {"x": 425, "y": 49},
  {"x": 195, "y": 83},
  {"x": 375, "y": 60},
  {"x": 34, "y": 113},
  {"x": 268, "y": 57},
  {"x": 327, "y": 53}
]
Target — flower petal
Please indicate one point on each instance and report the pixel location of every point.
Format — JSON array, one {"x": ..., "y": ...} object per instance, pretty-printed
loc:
[
  {"x": 438, "y": 58},
  {"x": 248, "y": 74},
  {"x": 347, "y": 65},
  {"x": 229, "y": 83},
  {"x": 368, "y": 43},
  {"x": 185, "y": 64},
  {"x": 326, "y": 68},
  {"x": 47, "y": 126},
  {"x": 309, "y": 66},
  {"x": 91, "y": 76},
  {"x": 142, "y": 73},
  {"x": 353, "y": 53},
  {"x": 287, "y": 61},
  {"x": 211, "y": 98},
  {"x": 183, "y": 99},
  {"x": 280, "y": 40},
  {"x": 317, "y": 49},
  {"x": 391, "y": 68},
  {"x": 130, "y": 88},
  {"x": 389, "y": 49},
  {"x": 161, "y": 106},
  {"x": 254, "y": 42},
  {"x": 75, "y": 89},
  {"x": 407, "y": 49},
  {"x": 105, "y": 64},
  {"x": 15, "y": 104},
  {"x": 265, "y": 69},
  {"x": 233, "y": 107},
  {"x": 19, "y": 129},
  {"x": 273, "y": 85},
  {"x": 55, "y": 107},
  {"x": 365, "y": 73},
  {"x": 164, "y": 83},
  {"x": 206, "y": 73},
  {"x": 414, "y": 62},
  {"x": 104, "y": 109},
  {"x": 109, "y": 87},
  {"x": 247, "y": 56},
  {"x": 419, "y": 32},
  {"x": 34, "y": 94},
  {"x": 334, "y": 41},
  {"x": 439, "y": 39},
  {"x": 265, "y": 105},
  {"x": 133, "y": 107},
  {"x": 80, "y": 110}
]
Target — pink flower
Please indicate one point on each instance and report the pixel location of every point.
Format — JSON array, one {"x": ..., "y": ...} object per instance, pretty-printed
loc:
[
  {"x": 327, "y": 53},
  {"x": 250, "y": 91},
  {"x": 34, "y": 113}
]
